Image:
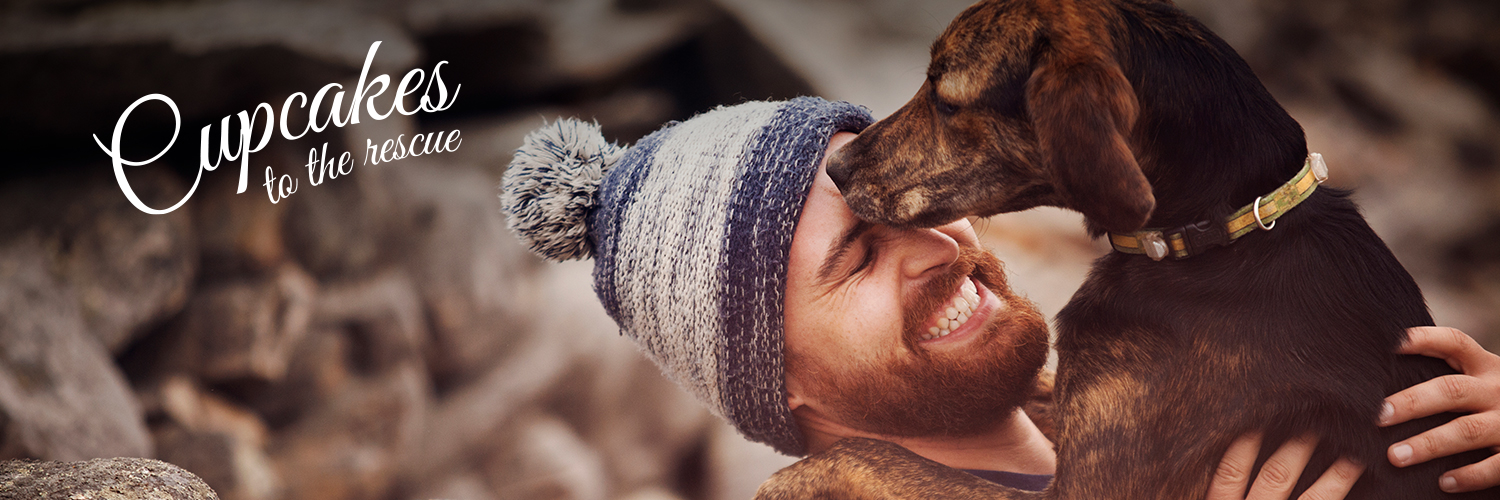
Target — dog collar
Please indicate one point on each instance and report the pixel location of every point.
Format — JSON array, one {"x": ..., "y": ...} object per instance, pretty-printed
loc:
[{"x": 1193, "y": 239}]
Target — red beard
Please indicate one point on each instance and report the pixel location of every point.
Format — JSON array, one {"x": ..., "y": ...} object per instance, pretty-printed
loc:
[{"x": 943, "y": 394}]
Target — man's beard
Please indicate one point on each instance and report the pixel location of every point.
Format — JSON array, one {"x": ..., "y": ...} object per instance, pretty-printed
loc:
[{"x": 952, "y": 394}]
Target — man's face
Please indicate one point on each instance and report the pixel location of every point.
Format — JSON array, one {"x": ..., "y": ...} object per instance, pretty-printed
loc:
[{"x": 871, "y": 341}]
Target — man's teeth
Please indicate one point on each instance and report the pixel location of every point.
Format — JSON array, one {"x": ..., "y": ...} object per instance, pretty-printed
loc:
[{"x": 958, "y": 311}]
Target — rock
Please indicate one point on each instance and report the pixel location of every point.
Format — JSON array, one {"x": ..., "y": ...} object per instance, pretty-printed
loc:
[
  {"x": 358, "y": 330},
  {"x": 343, "y": 228},
  {"x": 181, "y": 400},
  {"x": 544, "y": 458},
  {"x": 322, "y": 366},
  {"x": 241, "y": 234},
  {"x": 736, "y": 467},
  {"x": 473, "y": 276},
  {"x": 641, "y": 423},
  {"x": 595, "y": 39},
  {"x": 244, "y": 328},
  {"x": 102, "y": 478},
  {"x": 216, "y": 439},
  {"x": 520, "y": 74},
  {"x": 552, "y": 44},
  {"x": 383, "y": 314},
  {"x": 471, "y": 416},
  {"x": 213, "y": 59},
  {"x": 61, "y": 396},
  {"x": 337, "y": 230},
  {"x": 201, "y": 28},
  {"x": 354, "y": 445},
  {"x": 453, "y": 15},
  {"x": 651, "y": 493},
  {"x": 870, "y": 52},
  {"x": 465, "y": 485},
  {"x": 130, "y": 269},
  {"x": 490, "y": 143},
  {"x": 1238, "y": 22},
  {"x": 354, "y": 330},
  {"x": 638, "y": 423},
  {"x": 624, "y": 117},
  {"x": 222, "y": 462}
]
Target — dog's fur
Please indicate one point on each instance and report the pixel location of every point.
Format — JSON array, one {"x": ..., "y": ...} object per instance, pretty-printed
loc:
[{"x": 1134, "y": 114}]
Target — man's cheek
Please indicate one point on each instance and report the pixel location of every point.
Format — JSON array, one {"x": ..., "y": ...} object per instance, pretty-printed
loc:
[{"x": 853, "y": 323}]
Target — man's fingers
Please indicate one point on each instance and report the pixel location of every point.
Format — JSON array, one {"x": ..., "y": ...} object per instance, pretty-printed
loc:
[
  {"x": 1445, "y": 393},
  {"x": 1335, "y": 482},
  {"x": 1472, "y": 390},
  {"x": 1280, "y": 472},
  {"x": 1477, "y": 390},
  {"x": 1465, "y": 433},
  {"x": 1476, "y": 476},
  {"x": 1449, "y": 344},
  {"x": 1233, "y": 474}
]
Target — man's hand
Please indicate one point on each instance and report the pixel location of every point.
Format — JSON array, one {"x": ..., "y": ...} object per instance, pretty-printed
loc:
[
  {"x": 1279, "y": 474},
  {"x": 1476, "y": 390}
]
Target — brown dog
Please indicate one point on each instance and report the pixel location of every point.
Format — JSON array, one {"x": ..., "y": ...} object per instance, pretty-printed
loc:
[{"x": 1134, "y": 114}]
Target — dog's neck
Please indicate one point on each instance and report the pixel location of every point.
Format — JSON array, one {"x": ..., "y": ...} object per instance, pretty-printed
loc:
[{"x": 1210, "y": 138}]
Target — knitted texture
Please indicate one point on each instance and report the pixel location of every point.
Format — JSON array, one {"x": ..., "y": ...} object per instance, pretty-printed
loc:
[
  {"x": 690, "y": 235},
  {"x": 551, "y": 184}
]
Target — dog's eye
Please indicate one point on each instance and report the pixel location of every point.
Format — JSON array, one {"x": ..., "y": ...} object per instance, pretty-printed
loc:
[{"x": 945, "y": 108}]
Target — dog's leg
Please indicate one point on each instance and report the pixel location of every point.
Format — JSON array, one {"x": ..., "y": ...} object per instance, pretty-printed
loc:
[{"x": 868, "y": 469}]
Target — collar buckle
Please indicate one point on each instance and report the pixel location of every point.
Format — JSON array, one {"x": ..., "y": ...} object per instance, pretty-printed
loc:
[{"x": 1198, "y": 238}]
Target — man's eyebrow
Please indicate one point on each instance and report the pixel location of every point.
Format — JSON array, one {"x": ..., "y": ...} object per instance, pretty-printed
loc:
[{"x": 840, "y": 249}]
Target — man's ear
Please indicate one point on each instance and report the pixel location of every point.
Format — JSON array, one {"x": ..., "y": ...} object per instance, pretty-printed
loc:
[
  {"x": 793, "y": 392},
  {"x": 1082, "y": 109}
]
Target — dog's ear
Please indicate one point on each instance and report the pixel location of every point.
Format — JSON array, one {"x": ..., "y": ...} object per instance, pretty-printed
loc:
[{"x": 1082, "y": 110}]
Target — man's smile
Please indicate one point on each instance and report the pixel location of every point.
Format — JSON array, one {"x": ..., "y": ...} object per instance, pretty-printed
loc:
[{"x": 967, "y": 310}]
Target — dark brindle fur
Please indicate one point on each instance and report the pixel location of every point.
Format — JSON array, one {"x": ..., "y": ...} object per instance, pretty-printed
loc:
[{"x": 1136, "y": 115}]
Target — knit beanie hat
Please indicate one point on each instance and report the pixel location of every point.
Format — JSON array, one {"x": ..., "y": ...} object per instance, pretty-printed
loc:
[{"x": 690, "y": 231}]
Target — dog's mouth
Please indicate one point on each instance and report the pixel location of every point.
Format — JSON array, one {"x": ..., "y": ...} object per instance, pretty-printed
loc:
[
  {"x": 911, "y": 207},
  {"x": 964, "y": 312},
  {"x": 877, "y": 197},
  {"x": 915, "y": 206}
]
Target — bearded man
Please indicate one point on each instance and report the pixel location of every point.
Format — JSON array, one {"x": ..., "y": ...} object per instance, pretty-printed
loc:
[{"x": 723, "y": 249}]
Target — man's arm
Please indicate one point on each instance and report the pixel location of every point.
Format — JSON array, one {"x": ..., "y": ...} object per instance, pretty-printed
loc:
[{"x": 1475, "y": 390}]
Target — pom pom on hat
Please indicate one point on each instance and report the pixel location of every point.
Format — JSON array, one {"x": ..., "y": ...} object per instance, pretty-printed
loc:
[{"x": 552, "y": 184}]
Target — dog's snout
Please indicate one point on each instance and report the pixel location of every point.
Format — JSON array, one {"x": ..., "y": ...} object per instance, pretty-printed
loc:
[{"x": 839, "y": 171}]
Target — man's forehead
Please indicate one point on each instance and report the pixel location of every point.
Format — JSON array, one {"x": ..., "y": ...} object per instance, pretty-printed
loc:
[
  {"x": 825, "y": 204},
  {"x": 823, "y": 185},
  {"x": 830, "y": 191}
]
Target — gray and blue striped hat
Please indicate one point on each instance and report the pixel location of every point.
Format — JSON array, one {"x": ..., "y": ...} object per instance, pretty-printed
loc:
[{"x": 690, "y": 231}]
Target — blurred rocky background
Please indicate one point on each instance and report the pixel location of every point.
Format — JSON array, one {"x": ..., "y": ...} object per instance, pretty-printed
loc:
[{"x": 383, "y": 336}]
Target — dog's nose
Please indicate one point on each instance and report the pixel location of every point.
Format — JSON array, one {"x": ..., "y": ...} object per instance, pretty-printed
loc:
[{"x": 838, "y": 170}]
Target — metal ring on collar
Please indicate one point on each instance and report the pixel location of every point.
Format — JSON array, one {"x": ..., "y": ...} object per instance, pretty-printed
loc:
[{"x": 1255, "y": 207}]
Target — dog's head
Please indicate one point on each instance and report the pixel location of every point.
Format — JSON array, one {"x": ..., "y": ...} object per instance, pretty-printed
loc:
[{"x": 1024, "y": 105}]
